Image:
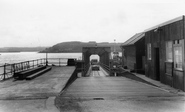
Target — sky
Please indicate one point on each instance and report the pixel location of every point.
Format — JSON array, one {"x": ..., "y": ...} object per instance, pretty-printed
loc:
[{"x": 33, "y": 23}]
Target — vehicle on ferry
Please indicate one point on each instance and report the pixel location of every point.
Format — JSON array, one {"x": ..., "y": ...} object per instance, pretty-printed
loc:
[
  {"x": 95, "y": 66},
  {"x": 94, "y": 62}
]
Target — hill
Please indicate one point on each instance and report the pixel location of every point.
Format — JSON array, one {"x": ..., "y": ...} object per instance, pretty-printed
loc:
[
  {"x": 21, "y": 49},
  {"x": 76, "y": 46}
]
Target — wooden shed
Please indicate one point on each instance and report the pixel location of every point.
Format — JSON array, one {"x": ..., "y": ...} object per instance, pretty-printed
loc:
[
  {"x": 133, "y": 52},
  {"x": 164, "y": 46}
]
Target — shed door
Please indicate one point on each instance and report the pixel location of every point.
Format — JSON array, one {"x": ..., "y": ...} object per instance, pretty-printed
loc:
[{"x": 157, "y": 64}]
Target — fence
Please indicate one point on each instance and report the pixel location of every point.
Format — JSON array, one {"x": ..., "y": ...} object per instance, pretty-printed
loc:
[
  {"x": 106, "y": 67},
  {"x": 7, "y": 70},
  {"x": 57, "y": 61}
]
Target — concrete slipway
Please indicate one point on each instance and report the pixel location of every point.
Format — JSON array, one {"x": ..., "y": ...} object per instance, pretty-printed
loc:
[{"x": 35, "y": 95}]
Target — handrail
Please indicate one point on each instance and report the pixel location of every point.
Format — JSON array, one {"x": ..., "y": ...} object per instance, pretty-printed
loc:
[
  {"x": 57, "y": 61},
  {"x": 106, "y": 67},
  {"x": 7, "y": 70}
]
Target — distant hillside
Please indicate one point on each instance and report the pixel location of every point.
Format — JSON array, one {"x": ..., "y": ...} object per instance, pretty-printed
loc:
[
  {"x": 21, "y": 49},
  {"x": 76, "y": 46}
]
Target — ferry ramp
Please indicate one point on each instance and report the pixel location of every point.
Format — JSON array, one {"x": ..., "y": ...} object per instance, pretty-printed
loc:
[
  {"x": 96, "y": 73},
  {"x": 99, "y": 93}
]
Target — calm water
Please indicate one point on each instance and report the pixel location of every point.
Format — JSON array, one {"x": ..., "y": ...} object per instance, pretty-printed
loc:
[{"x": 25, "y": 56}]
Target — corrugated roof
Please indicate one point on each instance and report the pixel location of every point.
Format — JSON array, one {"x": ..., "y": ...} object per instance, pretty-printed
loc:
[
  {"x": 165, "y": 23},
  {"x": 133, "y": 39}
]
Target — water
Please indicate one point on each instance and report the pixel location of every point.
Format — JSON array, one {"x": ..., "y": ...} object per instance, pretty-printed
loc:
[
  {"x": 25, "y": 56},
  {"x": 16, "y": 57}
]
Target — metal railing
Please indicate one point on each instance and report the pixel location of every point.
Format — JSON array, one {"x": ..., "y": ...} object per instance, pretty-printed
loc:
[
  {"x": 57, "y": 61},
  {"x": 7, "y": 70},
  {"x": 106, "y": 67}
]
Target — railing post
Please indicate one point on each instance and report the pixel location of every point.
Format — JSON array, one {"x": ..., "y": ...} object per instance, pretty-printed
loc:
[
  {"x": 21, "y": 66},
  {"x": 13, "y": 68},
  {"x": 4, "y": 71},
  {"x": 28, "y": 64},
  {"x": 46, "y": 61}
]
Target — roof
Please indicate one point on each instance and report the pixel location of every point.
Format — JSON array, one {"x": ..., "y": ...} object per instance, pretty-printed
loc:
[
  {"x": 165, "y": 23},
  {"x": 134, "y": 39}
]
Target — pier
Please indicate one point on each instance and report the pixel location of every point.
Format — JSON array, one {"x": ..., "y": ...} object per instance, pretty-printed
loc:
[
  {"x": 79, "y": 86},
  {"x": 101, "y": 93}
]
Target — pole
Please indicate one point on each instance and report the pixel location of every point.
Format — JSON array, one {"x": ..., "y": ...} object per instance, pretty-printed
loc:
[
  {"x": 46, "y": 58},
  {"x": 4, "y": 71},
  {"x": 114, "y": 45}
]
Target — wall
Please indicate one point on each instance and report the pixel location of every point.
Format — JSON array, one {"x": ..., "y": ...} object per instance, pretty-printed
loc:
[
  {"x": 172, "y": 31},
  {"x": 140, "y": 53},
  {"x": 130, "y": 56}
]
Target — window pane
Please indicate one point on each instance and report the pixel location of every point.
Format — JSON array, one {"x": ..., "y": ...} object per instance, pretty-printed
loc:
[
  {"x": 169, "y": 51},
  {"x": 178, "y": 57}
]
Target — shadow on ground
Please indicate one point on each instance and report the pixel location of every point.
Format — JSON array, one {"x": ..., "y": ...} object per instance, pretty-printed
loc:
[
  {"x": 68, "y": 104},
  {"x": 134, "y": 77}
]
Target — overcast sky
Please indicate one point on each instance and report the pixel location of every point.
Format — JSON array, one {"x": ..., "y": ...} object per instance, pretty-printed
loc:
[{"x": 31, "y": 23}]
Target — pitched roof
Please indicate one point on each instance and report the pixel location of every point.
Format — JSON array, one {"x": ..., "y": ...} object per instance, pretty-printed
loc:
[
  {"x": 133, "y": 39},
  {"x": 165, "y": 23}
]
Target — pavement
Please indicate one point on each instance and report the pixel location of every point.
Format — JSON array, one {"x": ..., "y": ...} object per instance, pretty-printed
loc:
[
  {"x": 147, "y": 80},
  {"x": 99, "y": 93},
  {"x": 159, "y": 84}
]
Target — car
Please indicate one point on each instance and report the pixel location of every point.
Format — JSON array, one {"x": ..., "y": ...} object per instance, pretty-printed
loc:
[
  {"x": 95, "y": 68},
  {"x": 94, "y": 62}
]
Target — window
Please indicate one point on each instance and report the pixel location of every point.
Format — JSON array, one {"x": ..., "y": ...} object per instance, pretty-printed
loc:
[
  {"x": 178, "y": 57},
  {"x": 149, "y": 51},
  {"x": 178, "y": 54},
  {"x": 169, "y": 46}
]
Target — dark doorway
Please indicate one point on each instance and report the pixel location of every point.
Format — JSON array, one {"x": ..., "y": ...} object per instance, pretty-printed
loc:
[{"x": 157, "y": 64}]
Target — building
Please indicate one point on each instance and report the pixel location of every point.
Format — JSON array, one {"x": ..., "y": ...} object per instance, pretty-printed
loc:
[
  {"x": 133, "y": 53},
  {"x": 164, "y": 59}
]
